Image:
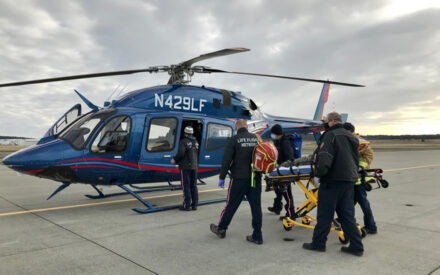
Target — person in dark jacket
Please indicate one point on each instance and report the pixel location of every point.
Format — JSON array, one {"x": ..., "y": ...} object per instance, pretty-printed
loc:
[
  {"x": 285, "y": 153},
  {"x": 187, "y": 158},
  {"x": 336, "y": 166},
  {"x": 237, "y": 158}
]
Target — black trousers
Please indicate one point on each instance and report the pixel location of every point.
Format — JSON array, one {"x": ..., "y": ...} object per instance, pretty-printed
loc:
[
  {"x": 189, "y": 187},
  {"x": 360, "y": 196},
  {"x": 278, "y": 201},
  {"x": 336, "y": 196},
  {"x": 238, "y": 189}
]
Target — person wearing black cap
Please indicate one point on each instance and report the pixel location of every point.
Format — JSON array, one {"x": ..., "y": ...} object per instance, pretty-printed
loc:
[
  {"x": 285, "y": 153},
  {"x": 360, "y": 194},
  {"x": 187, "y": 158}
]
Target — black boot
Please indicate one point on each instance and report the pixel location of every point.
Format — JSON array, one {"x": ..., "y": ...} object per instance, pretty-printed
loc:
[
  {"x": 273, "y": 210},
  {"x": 349, "y": 250},
  {"x": 369, "y": 231},
  {"x": 221, "y": 233},
  {"x": 251, "y": 239},
  {"x": 309, "y": 246}
]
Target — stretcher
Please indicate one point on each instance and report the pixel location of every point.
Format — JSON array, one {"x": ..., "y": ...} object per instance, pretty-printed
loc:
[{"x": 302, "y": 176}]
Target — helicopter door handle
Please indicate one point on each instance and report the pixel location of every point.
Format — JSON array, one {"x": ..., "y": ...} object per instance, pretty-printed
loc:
[
  {"x": 166, "y": 156},
  {"x": 207, "y": 156}
]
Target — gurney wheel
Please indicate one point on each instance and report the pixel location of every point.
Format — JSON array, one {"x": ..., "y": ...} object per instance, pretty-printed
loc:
[
  {"x": 342, "y": 238},
  {"x": 287, "y": 228},
  {"x": 367, "y": 186},
  {"x": 384, "y": 183},
  {"x": 363, "y": 233},
  {"x": 306, "y": 221},
  {"x": 343, "y": 241}
]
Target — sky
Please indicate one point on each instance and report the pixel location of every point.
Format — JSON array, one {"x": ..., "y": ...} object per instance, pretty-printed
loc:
[{"x": 391, "y": 47}]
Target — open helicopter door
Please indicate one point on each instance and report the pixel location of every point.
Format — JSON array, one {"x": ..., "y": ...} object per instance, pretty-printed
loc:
[
  {"x": 160, "y": 144},
  {"x": 62, "y": 123}
]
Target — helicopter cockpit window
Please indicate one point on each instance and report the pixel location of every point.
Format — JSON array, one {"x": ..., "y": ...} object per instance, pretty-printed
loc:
[
  {"x": 113, "y": 137},
  {"x": 217, "y": 136},
  {"x": 162, "y": 134},
  {"x": 78, "y": 134}
]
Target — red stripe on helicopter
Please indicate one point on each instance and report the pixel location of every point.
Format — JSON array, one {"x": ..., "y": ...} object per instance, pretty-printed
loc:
[
  {"x": 172, "y": 170},
  {"x": 33, "y": 171},
  {"x": 93, "y": 166},
  {"x": 155, "y": 168},
  {"x": 102, "y": 159},
  {"x": 267, "y": 126}
]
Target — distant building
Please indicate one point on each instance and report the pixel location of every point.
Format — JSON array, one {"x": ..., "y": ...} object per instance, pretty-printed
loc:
[{"x": 18, "y": 141}]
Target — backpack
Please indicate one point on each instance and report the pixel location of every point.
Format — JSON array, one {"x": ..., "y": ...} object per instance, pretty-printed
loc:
[{"x": 264, "y": 158}]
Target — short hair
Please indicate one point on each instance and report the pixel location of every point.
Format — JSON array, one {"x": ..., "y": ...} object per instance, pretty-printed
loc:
[
  {"x": 241, "y": 123},
  {"x": 334, "y": 116}
]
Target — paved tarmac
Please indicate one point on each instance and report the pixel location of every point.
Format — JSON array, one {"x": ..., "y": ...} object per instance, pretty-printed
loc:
[{"x": 78, "y": 236}]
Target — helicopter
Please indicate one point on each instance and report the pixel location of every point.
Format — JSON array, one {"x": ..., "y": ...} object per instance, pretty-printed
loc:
[{"x": 131, "y": 140}]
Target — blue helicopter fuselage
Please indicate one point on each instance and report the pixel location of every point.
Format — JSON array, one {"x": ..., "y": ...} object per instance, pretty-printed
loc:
[{"x": 133, "y": 139}]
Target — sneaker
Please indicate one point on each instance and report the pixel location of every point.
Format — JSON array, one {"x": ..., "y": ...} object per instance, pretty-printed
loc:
[
  {"x": 369, "y": 231},
  {"x": 272, "y": 209},
  {"x": 349, "y": 250},
  {"x": 194, "y": 208},
  {"x": 184, "y": 208},
  {"x": 251, "y": 239},
  {"x": 221, "y": 233},
  {"x": 309, "y": 246}
]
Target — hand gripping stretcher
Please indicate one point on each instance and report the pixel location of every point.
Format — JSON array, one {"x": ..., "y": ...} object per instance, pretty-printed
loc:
[{"x": 302, "y": 176}]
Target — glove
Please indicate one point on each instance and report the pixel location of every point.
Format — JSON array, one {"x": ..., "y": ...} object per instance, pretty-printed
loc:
[{"x": 221, "y": 183}]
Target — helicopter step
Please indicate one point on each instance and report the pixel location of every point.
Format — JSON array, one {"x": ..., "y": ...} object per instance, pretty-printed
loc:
[
  {"x": 151, "y": 209},
  {"x": 169, "y": 187}
]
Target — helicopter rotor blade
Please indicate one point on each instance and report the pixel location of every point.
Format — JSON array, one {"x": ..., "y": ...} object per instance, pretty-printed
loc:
[
  {"x": 223, "y": 52},
  {"x": 81, "y": 76},
  {"x": 209, "y": 70}
]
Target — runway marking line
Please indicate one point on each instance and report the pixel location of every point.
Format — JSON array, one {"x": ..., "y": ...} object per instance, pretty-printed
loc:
[
  {"x": 96, "y": 203},
  {"x": 158, "y": 196},
  {"x": 414, "y": 167}
]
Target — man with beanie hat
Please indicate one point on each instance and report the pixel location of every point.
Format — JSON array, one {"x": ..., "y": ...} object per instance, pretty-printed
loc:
[{"x": 285, "y": 153}]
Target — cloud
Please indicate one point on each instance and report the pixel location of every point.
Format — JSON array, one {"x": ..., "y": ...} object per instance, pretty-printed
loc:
[{"x": 391, "y": 48}]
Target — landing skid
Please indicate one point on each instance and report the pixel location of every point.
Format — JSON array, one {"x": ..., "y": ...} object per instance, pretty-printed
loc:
[
  {"x": 151, "y": 209},
  {"x": 169, "y": 187}
]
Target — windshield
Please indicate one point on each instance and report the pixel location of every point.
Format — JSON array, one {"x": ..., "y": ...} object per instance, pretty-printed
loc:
[{"x": 78, "y": 134}]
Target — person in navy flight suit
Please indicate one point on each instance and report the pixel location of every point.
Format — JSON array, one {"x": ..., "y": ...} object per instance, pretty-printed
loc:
[
  {"x": 336, "y": 165},
  {"x": 187, "y": 159},
  {"x": 237, "y": 158},
  {"x": 285, "y": 153}
]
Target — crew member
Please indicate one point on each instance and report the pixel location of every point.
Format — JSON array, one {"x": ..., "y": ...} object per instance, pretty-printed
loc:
[
  {"x": 237, "y": 158},
  {"x": 336, "y": 165},
  {"x": 285, "y": 153},
  {"x": 360, "y": 194},
  {"x": 187, "y": 158}
]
